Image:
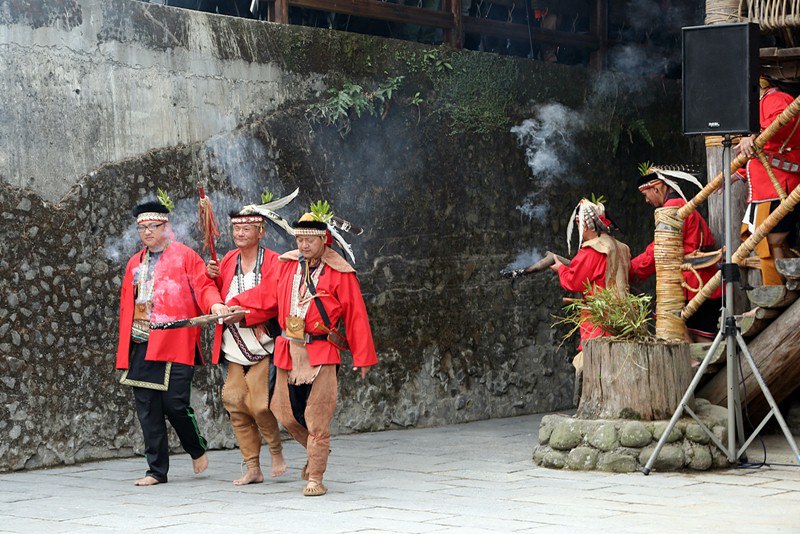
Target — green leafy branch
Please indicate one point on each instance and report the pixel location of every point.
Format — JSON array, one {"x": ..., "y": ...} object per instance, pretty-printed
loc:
[
  {"x": 353, "y": 99},
  {"x": 163, "y": 197},
  {"x": 623, "y": 129},
  {"x": 620, "y": 314}
]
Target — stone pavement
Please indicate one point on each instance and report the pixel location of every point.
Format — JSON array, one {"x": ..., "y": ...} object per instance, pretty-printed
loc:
[{"x": 475, "y": 477}]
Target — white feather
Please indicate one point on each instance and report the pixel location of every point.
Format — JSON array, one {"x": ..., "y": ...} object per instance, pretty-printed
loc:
[
  {"x": 673, "y": 185},
  {"x": 680, "y": 175},
  {"x": 342, "y": 243},
  {"x": 570, "y": 226}
]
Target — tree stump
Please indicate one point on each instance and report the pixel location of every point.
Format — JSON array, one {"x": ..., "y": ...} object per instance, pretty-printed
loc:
[{"x": 627, "y": 380}]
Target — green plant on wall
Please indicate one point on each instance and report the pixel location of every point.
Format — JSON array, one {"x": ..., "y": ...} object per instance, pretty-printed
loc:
[
  {"x": 352, "y": 99},
  {"x": 476, "y": 95},
  {"x": 626, "y": 130},
  {"x": 472, "y": 92}
]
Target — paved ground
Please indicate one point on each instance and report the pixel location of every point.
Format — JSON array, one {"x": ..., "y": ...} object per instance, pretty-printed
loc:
[{"x": 476, "y": 477}]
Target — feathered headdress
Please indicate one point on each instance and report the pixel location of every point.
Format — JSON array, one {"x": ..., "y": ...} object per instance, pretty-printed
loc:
[
  {"x": 588, "y": 213},
  {"x": 267, "y": 209},
  {"x": 321, "y": 221},
  {"x": 652, "y": 173}
]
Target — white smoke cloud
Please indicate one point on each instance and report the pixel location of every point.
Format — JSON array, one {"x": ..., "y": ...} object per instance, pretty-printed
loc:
[{"x": 548, "y": 141}]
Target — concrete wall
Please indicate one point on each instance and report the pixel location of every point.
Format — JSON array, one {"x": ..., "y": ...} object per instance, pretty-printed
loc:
[
  {"x": 112, "y": 99},
  {"x": 87, "y": 83}
]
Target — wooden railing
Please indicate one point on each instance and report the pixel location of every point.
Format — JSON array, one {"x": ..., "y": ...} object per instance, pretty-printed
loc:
[{"x": 454, "y": 25}]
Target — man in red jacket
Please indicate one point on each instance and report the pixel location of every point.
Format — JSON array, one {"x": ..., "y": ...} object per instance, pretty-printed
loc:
[
  {"x": 659, "y": 187},
  {"x": 783, "y": 156},
  {"x": 165, "y": 281},
  {"x": 248, "y": 350},
  {"x": 314, "y": 289},
  {"x": 601, "y": 262}
]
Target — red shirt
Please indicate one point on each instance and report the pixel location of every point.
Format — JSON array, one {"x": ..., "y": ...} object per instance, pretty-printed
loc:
[
  {"x": 696, "y": 234},
  {"x": 588, "y": 266},
  {"x": 181, "y": 290},
  {"x": 227, "y": 270},
  {"x": 760, "y": 188},
  {"x": 343, "y": 300}
]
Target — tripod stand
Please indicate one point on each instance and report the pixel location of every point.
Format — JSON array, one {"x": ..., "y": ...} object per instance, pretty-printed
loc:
[{"x": 733, "y": 338}]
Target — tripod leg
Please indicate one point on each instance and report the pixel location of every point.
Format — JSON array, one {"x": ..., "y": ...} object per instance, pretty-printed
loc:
[
  {"x": 767, "y": 395},
  {"x": 686, "y": 396}
]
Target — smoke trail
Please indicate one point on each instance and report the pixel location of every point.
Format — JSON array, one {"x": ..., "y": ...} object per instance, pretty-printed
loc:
[{"x": 524, "y": 259}]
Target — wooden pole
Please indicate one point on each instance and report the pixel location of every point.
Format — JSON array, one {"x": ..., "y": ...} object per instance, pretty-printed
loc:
[
  {"x": 598, "y": 26},
  {"x": 668, "y": 253},
  {"x": 455, "y": 35}
]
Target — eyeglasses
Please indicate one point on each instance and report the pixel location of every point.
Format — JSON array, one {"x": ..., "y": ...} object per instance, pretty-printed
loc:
[{"x": 142, "y": 228}]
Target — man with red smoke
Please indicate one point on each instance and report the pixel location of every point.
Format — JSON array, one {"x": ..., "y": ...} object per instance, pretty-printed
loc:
[
  {"x": 165, "y": 281},
  {"x": 313, "y": 290}
]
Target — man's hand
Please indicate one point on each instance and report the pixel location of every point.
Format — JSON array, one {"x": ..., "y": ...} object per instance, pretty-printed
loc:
[
  {"x": 212, "y": 269},
  {"x": 220, "y": 309},
  {"x": 235, "y": 318},
  {"x": 747, "y": 146},
  {"x": 556, "y": 265},
  {"x": 364, "y": 371}
]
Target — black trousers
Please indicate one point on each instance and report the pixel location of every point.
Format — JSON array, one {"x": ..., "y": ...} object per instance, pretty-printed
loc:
[{"x": 152, "y": 406}]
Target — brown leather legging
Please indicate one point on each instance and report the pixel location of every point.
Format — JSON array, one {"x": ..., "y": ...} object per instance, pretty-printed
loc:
[
  {"x": 315, "y": 436},
  {"x": 246, "y": 397}
]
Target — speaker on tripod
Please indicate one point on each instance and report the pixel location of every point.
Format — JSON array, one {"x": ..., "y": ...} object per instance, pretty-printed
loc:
[{"x": 720, "y": 79}]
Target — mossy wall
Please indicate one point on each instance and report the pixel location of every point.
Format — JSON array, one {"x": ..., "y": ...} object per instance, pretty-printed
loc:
[{"x": 442, "y": 186}]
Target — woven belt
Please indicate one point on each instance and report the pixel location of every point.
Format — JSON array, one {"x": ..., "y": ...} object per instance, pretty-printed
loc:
[{"x": 784, "y": 165}]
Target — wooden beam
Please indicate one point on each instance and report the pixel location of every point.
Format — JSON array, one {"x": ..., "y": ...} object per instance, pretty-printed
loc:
[
  {"x": 776, "y": 352},
  {"x": 789, "y": 268},
  {"x": 771, "y": 296},
  {"x": 372, "y": 9},
  {"x": 598, "y": 26},
  {"x": 519, "y": 32},
  {"x": 455, "y": 36}
]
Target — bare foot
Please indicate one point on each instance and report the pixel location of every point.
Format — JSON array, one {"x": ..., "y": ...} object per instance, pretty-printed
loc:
[
  {"x": 200, "y": 464},
  {"x": 278, "y": 465},
  {"x": 146, "y": 481},
  {"x": 253, "y": 476}
]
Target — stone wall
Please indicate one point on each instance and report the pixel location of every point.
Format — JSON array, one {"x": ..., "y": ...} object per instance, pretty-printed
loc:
[{"x": 113, "y": 99}]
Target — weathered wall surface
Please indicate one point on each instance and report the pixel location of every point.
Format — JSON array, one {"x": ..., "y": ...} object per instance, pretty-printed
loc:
[
  {"x": 86, "y": 83},
  {"x": 167, "y": 96}
]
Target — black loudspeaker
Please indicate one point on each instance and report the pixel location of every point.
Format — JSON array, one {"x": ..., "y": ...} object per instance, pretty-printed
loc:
[{"x": 720, "y": 79}]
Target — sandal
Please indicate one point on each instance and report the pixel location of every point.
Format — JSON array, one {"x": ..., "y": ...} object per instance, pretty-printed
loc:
[{"x": 315, "y": 490}]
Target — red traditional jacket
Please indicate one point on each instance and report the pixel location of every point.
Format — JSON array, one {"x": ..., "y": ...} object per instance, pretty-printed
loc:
[
  {"x": 181, "y": 290},
  {"x": 696, "y": 234},
  {"x": 227, "y": 270},
  {"x": 342, "y": 300},
  {"x": 591, "y": 266},
  {"x": 785, "y": 145}
]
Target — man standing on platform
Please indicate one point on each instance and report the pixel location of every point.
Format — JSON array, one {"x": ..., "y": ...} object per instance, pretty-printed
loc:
[
  {"x": 659, "y": 188},
  {"x": 782, "y": 153},
  {"x": 248, "y": 350},
  {"x": 165, "y": 281},
  {"x": 601, "y": 262},
  {"x": 314, "y": 289}
]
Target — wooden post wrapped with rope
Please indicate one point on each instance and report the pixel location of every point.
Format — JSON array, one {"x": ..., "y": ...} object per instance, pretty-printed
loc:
[
  {"x": 668, "y": 253},
  {"x": 744, "y": 250}
]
